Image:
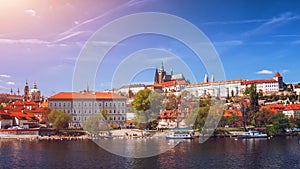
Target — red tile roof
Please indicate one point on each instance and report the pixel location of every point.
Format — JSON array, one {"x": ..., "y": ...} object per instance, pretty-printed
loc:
[
  {"x": 277, "y": 74},
  {"x": 228, "y": 113},
  {"x": 85, "y": 95},
  {"x": 292, "y": 107},
  {"x": 168, "y": 114},
  {"x": 259, "y": 81}
]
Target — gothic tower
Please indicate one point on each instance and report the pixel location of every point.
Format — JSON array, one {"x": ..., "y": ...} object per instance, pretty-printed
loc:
[{"x": 26, "y": 91}]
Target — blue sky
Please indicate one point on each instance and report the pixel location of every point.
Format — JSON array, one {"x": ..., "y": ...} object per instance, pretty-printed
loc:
[{"x": 41, "y": 40}]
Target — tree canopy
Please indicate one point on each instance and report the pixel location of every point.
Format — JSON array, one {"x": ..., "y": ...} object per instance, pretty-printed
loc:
[
  {"x": 59, "y": 119},
  {"x": 97, "y": 122},
  {"x": 147, "y": 105}
]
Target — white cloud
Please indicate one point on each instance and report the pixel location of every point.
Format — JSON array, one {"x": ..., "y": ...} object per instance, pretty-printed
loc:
[
  {"x": 2, "y": 87},
  {"x": 30, "y": 12},
  {"x": 229, "y": 43},
  {"x": 22, "y": 41},
  {"x": 10, "y": 83},
  {"x": 5, "y": 76},
  {"x": 68, "y": 36},
  {"x": 285, "y": 71},
  {"x": 235, "y": 22},
  {"x": 266, "y": 72},
  {"x": 112, "y": 10},
  {"x": 275, "y": 21}
]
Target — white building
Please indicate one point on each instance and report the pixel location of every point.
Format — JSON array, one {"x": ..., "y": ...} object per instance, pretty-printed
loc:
[
  {"x": 221, "y": 89},
  {"x": 229, "y": 88},
  {"x": 124, "y": 90},
  {"x": 82, "y": 105}
]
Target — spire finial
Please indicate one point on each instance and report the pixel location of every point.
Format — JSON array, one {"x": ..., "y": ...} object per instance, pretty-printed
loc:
[{"x": 162, "y": 66}]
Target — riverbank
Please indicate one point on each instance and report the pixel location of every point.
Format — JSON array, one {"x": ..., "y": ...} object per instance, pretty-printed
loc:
[
  {"x": 125, "y": 133},
  {"x": 35, "y": 137}
]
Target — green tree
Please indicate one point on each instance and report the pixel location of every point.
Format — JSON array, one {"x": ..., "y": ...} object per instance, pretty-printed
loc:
[
  {"x": 147, "y": 105},
  {"x": 59, "y": 119},
  {"x": 251, "y": 111},
  {"x": 172, "y": 102},
  {"x": 97, "y": 122},
  {"x": 198, "y": 115},
  {"x": 263, "y": 117},
  {"x": 279, "y": 123},
  {"x": 141, "y": 100}
]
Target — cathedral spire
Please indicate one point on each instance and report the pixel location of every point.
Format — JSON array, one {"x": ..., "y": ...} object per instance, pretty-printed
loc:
[
  {"x": 162, "y": 66},
  {"x": 156, "y": 76}
]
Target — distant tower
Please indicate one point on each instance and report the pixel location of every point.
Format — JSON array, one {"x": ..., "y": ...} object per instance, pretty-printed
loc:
[
  {"x": 18, "y": 91},
  {"x": 162, "y": 68},
  {"x": 87, "y": 87},
  {"x": 11, "y": 91},
  {"x": 160, "y": 74},
  {"x": 156, "y": 76},
  {"x": 35, "y": 93},
  {"x": 26, "y": 91},
  {"x": 279, "y": 79},
  {"x": 205, "y": 78},
  {"x": 212, "y": 78}
]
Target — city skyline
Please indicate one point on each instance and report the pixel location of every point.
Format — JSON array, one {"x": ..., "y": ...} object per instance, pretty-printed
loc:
[{"x": 40, "y": 41}]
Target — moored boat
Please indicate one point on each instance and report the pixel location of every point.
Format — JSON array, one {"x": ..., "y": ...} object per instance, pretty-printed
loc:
[
  {"x": 180, "y": 134},
  {"x": 252, "y": 134}
]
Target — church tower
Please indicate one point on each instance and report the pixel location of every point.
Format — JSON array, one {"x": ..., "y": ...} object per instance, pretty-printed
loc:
[
  {"x": 279, "y": 79},
  {"x": 156, "y": 76},
  {"x": 26, "y": 91},
  {"x": 160, "y": 75}
]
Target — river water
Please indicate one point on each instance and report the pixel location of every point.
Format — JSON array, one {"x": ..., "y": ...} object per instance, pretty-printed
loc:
[{"x": 283, "y": 152}]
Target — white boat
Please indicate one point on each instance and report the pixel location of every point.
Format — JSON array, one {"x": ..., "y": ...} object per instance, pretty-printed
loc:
[
  {"x": 252, "y": 134},
  {"x": 180, "y": 135}
]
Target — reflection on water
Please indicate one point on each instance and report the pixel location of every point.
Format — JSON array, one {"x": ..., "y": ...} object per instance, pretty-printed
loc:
[
  {"x": 214, "y": 153},
  {"x": 137, "y": 147}
]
